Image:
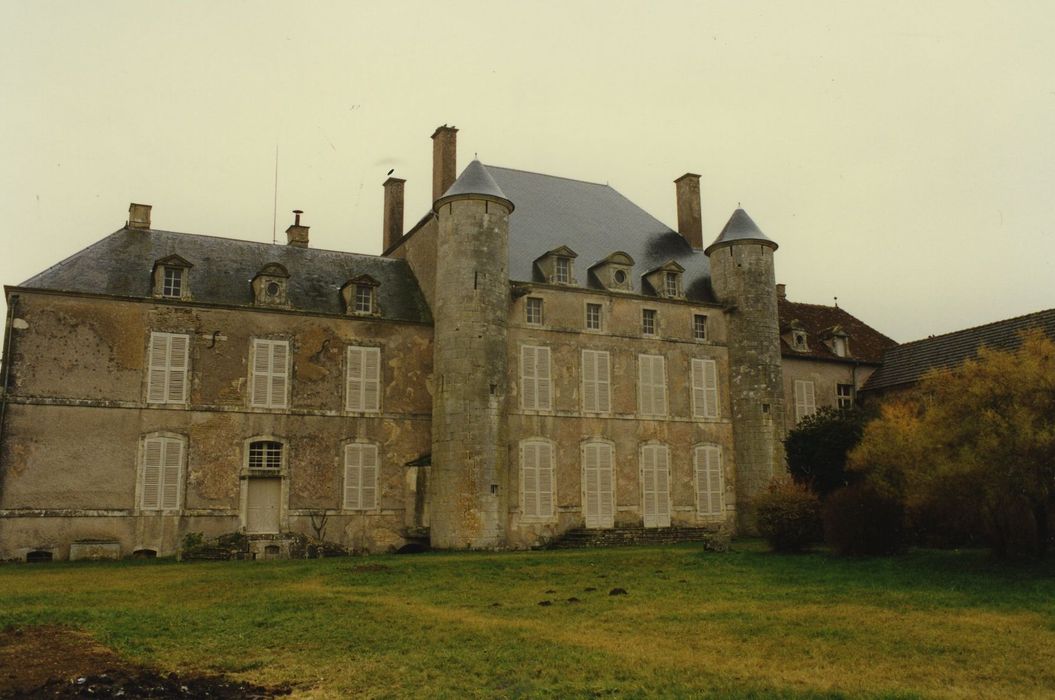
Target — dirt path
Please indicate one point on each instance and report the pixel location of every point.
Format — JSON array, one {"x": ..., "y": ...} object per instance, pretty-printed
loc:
[{"x": 59, "y": 662}]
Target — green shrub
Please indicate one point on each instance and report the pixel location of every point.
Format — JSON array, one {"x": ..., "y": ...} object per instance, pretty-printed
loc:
[
  {"x": 816, "y": 448},
  {"x": 788, "y": 516},
  {"x": 863, "y": 520}
]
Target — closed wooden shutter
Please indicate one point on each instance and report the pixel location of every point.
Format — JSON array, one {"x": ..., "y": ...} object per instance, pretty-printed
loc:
[
  {"x": 172, "y": 467},
  {"x": 655, "y": 486},
  {"x": 270, "y": 375},
  {"x": 805, "y": 399},
  {"x": 177, "y": 368},
  {"x": 279, "y": 373},
  {"x": 360, "y": 476},
  {"x": 162, "y": 473},
  {"x": 537, "y": 482},
  {"x": 709, "y": 479},
  {"x": 535, "y": 385},
  {"x": 363, "y": 392},
  {"x": 705, "y": 389},
  {"x": 168, "y": 364},
  {"x": 652, "y": 385},
  {"x": 598, "y": 491},
  {"x": 153, "y": 459},
  {"x": 596, "y": 383}
]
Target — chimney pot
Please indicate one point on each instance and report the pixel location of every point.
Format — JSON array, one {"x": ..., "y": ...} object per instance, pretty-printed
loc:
[
  {"x": 690, "y": 221},
  {"x": 138, "y": 216},
  {"x": 444, "y": 159},
  {"x": 297, "y": 235},
  {"x": 393, "y": 217},
  {"x": 782, "y": 292}
]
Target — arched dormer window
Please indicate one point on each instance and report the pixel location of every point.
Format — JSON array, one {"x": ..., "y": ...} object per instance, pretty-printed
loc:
[
  {"x": 360, "y": 296},
  {"x": 796, "y": 336},
  {"x": 270, "y": 286},
  {"x": 170, "y": 278},
  {"x": 665, "y": 280},
  {"x": 613, "y": 272},
  {"x": 557, "y": 266}
]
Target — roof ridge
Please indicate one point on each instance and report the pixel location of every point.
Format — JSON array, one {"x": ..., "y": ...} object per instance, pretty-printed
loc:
[
  {"x": 555, "y": 177},
  {"x": 974, "y": 328}
]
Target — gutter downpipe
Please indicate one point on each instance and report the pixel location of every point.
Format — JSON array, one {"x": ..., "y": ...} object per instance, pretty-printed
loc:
[{"x": 12, "y": 302}]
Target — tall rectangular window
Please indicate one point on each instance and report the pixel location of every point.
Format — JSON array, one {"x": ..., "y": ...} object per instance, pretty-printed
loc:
[
  {"x": 699, "y": 327},
  {"x": 269, "y": 380},
  {"x": 167, "y": 372},
  {"x": 651, "y": 385},
  {"x": 648, "y": 321},
  {"x": 536, "y": 390},
  {"x": 364, "y": 299},
  {"x": 593, "y": 317},
  {"x": 655, "y": 485},
  {"x": 172, "y": 282},
  {"x": 805, "y": 399},
  {"x": 671, "y": 282},
  {"x": 598, "y": 485},
  {"x": 533, "y": 311},
  {"x": 704, "y": 389},
  {"x": 596, "y": 381},
  {"x": 562, "y": 271},
  {"x": 536, "y": 479},
  {"x": 709, "y": 480},
  {"x": 360, "y": 476},
  {"x": 161, "y": 472},
  {"x": 363, "y": 382},
  {"x": 844, "y": 394}
]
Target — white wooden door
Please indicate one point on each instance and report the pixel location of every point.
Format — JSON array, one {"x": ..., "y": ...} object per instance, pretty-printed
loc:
[
  {"x": 598, "y": 491},
  {"x": 655, "y": 486},
  {"x": 262, "y": 506}
]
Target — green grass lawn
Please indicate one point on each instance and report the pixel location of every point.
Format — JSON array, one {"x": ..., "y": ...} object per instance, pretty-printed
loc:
[{"x": 745, "y": 624}]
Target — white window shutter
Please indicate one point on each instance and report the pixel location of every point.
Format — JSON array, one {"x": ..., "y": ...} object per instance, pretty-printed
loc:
[
  {"x": 662, "y": 486},
  {"x": 589, "y": 380},
  {"x": 528, "y": 383},
  {"x": 710, "y": 388},
  {"x": 709, "y": 479},
  {"x": 153, "y": 459},
  {"x": 545, "y": 389},
  {"x": 545, "y": 480},
  {"x": 279, "y": 373},
  {"x": 805, "y": 399},
  {"x": 811, "y": 399},
  {"x": 606, "y": 487},
  {"x": 371, "y": 379},
  {"x": 648, "y": 482},
  {"x": 172, "y": 466},
  {"x": 659, "y": 386},
  {"x": 644, "y": 385},
  {"x": 591, "y": 484},
  {"x": 604, "y": 382},
  {"x": 699, "y": 390},
  {"x": 158, "y": 371},
  {"x": 177, "y": 369},
  {"x": 529, "y": 471},
  {"x": 261, "y": 385},
  {"x": 369, "y": 470},
  {"x": 353, "y": 475},
  {"x": 354, "y": 389}
]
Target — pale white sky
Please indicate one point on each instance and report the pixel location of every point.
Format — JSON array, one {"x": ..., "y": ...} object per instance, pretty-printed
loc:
[{"x": 901, "y": 153}]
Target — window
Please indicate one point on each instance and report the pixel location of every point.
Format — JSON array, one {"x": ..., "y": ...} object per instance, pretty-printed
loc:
[
  {"x": 596, "y": 383},
  {"x": 709, "y": 478},
  {"x": 535, "y": 389},
  {"x": 670, "y": 283},
  {"x": 648, "y": 321},
  {"x": 172, "y": 282},
  {"x": 536, "y": 479},
  {"x": 363, "y": 384},
  {"x": 533, "y": 311},
  {"x": 593, "y": 317},
  {"x": 360, "y": 476},
  {"x": 839, "y": 346},
  {"x": 651, "y": 385},
  {"x": 167, "y": 374},
  {"x": 844, "y": 395},
  {"x": 799, "y": 339},
  {"x": 704, "y": 389},
  {"x": 655, "y": 485},
  {"x": 562, "y": 270},
  {"x": 598, "y": 485},
  {"x": 161, "y": 472},
  {"x": 265, "y": 454},
  {"x": 805, "y": 401},
  {"x": 269, "y": 380},
  {"x": 364, "y": 299},
  {"x": 699, "y": 327}
]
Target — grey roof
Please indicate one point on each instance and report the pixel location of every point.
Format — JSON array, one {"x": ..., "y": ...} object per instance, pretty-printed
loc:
[
  {"x": 475, "y": 180},
  {"x": 740, "y": 227},
  {"x": 906, "y": 364},
  {"x": 121, "y": 265},
  {"x": 595, "y": 221}
]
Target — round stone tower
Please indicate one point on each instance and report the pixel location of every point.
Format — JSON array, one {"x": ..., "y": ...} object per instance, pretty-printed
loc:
[
  {"x": 742, "y": 277},
  {"x": 467, "y": 502}
]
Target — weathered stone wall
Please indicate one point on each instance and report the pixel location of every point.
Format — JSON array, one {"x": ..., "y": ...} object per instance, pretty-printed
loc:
[
  {"x": 825, "y": 377},
  {"x": 419, "y": 250},
  {"x": 77, "y": 412},
  {"x": 568, "y": 426},
  {"x": 470, "y": 314},
  {"x": 742, "y": 276}
]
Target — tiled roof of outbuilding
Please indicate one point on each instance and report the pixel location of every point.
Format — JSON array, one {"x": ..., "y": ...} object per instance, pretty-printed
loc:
[
  {"x": 595, "y": 221},
  {"x": 121, "y": 265},
  {"x": 866, "y": 343},
  {"x": 907, "y": 363}
]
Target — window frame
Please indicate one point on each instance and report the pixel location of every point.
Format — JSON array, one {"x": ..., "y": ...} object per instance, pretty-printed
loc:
[
  {"x": 533, "y": 304},
  {"x": 699, "y": 327},
  {"x": 537, "y": 380},
  {"x": 844, "y": 401},
  {"x": 365, "y": 382},
  {"x": 600, "y": 385},
  {"x": 159, "y": 379},
  {"x": 671, "y": 285},
  {"x": 537, "y": 513},
  {"x": 271, "y": 457},
  {"x": 599, "y": 308},
  {"x": 561, "y": 269},
  {"x": 362, "y": 477},
  {"x": 649, "y": 322},
  {"x": 651, "y": 383},
  {"x": 172, "y": 282},
  {"x": 166, "y": 478},
  {"x": 364, "y": 299}
]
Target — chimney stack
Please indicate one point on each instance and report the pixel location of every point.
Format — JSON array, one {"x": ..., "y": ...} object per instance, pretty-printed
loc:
[
  {"x": 690, "y": 222},
  {"x": 782, "y": 291},
  {"x": 297, "y": 235},
  {"x": 138, "y": 216},
  {"x": 444, "y": 159},
  {"x": 393, "y": 224}
]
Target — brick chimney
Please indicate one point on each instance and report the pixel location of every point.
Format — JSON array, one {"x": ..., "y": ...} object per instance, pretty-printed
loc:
[
  {"x": 138, "y": 216},
  {"x": 690, "y": 222},
  {"x": 297, "y": 235},
  {"x": 444, "y": 159},
  {"x": 782, "y": 291},
  {"x": 393, "y": 224}
]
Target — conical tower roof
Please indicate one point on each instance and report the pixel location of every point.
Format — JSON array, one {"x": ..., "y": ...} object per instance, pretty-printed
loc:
[
  {"x": 740, "y": 227},
  {"x": 477, "y": 182}
]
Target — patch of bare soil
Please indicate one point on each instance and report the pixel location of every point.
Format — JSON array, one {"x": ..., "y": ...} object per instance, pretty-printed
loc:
[{"x": 59, "y": 662}]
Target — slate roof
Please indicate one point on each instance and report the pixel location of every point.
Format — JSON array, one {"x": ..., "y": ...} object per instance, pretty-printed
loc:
[
  {"x": 907, "y": 363},
  {"x": 121, "y": 265},
  {"x": 595, "y": 221},
  {"x": 866, "y": 344},
  {"x": 740, "y": 227},
  {"x": 475, "y": 180}
]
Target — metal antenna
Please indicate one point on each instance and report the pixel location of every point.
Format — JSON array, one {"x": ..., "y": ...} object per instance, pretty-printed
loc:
[{"x": 274, "y": 208}]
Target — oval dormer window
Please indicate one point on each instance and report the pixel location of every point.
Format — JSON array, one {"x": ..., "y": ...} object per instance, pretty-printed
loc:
[
  {"x": 620, "y": 277},
  {"x": 272, "y": 289}
]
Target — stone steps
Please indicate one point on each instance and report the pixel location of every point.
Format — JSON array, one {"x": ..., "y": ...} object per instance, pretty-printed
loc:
[{"x": 630, "y": 536}]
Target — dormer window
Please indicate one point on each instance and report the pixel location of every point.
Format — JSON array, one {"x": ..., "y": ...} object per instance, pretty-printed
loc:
[
  {"x": 838, "y": 341},
  {"x": 269, "y": 286},
  {"x": 170, "y": 278},
  {"x": 613, "y": 273},
  {"x": 361, "y": 297},
  {"x": 562, "y": 271},
  {"x": 555, "y": 266},
  {"x": 839, "y": 346},
  {"x": 671, "y": 283},
  {"x": 798, "y": 340},
  {"x": 665, "y": 280}
]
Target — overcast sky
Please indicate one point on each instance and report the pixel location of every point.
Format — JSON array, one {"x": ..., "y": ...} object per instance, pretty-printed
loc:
[{"x": 901, "y": 154}]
